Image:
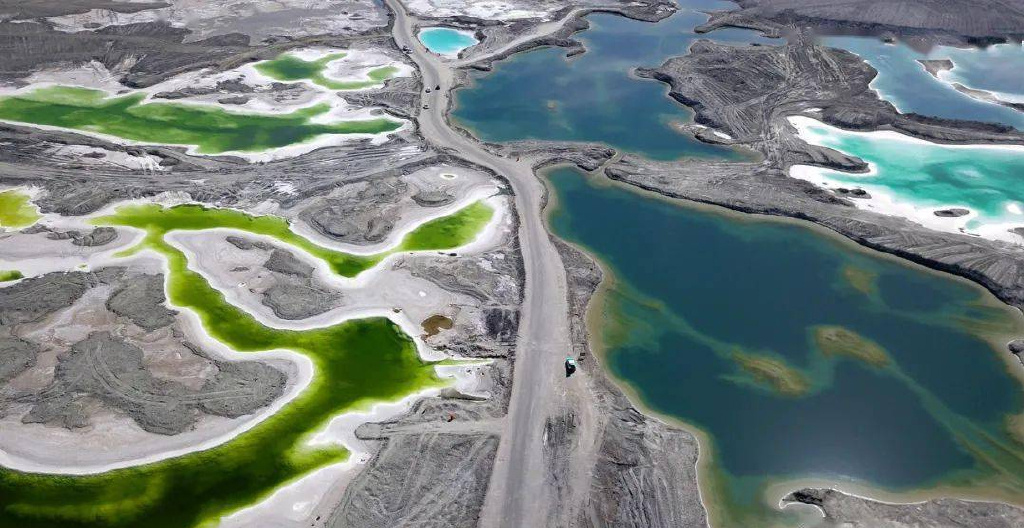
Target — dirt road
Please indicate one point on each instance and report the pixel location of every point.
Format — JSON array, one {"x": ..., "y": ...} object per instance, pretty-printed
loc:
[{"x": 521, "y": 489}]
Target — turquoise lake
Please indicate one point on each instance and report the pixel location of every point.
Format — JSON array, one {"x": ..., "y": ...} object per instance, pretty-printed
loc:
[
  {"x": 446, "y": 41},
  {"x": 695, "y": 288},
  {"x": 984, "y": 179}
]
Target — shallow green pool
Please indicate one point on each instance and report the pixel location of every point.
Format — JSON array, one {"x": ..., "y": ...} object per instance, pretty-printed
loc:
[
  {"x": 291, "y": 68},
  {"x": 210, "y": 129},
  {"x": 16, "y": 210},
  {"x": 10, "y": 275}
]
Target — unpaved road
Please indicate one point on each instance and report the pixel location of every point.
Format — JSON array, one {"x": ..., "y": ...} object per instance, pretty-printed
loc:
[{"x": 520, "y": 492}]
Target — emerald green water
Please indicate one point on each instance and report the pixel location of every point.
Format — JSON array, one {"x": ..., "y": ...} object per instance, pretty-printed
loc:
[
  {"x": 16, "y": 210},
  {"x": 447, "y": 232},
  {"x": 291, "y": 68},
  {"x": 919, "y": 397},
  {"x": 355, "y": 363},
  {"x": 210, "y": 129},
  {"x": 985, "y": 179}
]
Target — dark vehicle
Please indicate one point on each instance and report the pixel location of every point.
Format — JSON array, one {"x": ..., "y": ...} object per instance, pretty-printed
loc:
[{"x": 570, "y": 366}]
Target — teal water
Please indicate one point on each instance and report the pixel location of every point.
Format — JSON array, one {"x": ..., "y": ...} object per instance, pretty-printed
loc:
[
  {"x": 593, "y": 97},
  {"x": 730, "y": 325},
  {"x": 985, "y": 179},
  {"x": 695, "y": 288},
  {"x": 904, "y": 82},
  {"x": 446, "y": 41}
]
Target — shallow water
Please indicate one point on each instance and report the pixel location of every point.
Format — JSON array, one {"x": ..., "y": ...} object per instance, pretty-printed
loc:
[
  {"x": 998, "y": 69},
  {"x": 984, "y": 179},
  {"x": 16, "y": 210},
  {"x": 695, "y": 290},
  {"x": 593, "y": 97},
  {"x": 904, "y": 82},
  {"x": 446, "y": 41}
]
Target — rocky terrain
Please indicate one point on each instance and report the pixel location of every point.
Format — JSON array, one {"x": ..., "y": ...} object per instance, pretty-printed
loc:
[
  {"x": 930, "y": 21},
  {"x": 748, "y": 92},
  {"x": 95, "y": 358},
  {"x": 84, "y": 348},
  {"x": 846, "y": 510}
]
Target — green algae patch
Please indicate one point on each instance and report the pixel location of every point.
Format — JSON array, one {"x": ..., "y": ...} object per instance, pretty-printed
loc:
[
  {"x": 836, "y": 341},
  {"x": 10, "y": 275},
  {"x": 16, "y": 210},
  {"x": 773, "y": 372},
  {"x": 291, "y": 68},
  {"x": 447, "y": 232},
  {"x": 210, "y": 129}
]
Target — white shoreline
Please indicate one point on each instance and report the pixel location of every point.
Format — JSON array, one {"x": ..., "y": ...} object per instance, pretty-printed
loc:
[
  {"x": 884, "y": 201},
  {"x": 449, "y": 54}
]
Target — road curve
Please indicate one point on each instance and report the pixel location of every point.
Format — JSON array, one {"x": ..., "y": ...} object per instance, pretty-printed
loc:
[{"x": 520, "y": 491}]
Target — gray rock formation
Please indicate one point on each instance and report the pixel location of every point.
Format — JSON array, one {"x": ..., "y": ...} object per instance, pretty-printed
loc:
[
  {"x": 240, "y": 388},
  {"x": 846, "y": 510},
  {"x": 1017, "y": 348},
  {"x": 299, "y": 299},
  {"x": 282, "y": 261},
  {"x": 294, "y": 293},
  {"x": 953, "y": 212},
  {"x": 112, "y": 370},
  {"x": 141, "y": 300},
  {"x": 16, "y": 356},
  {"x": 366, "y": 214},
  {"x": 402, "y": 487},
  {"x": 36, "y": 297},
  {"x": 974, "y": 22},
  {"x": 96, "y": 237},
  {"x": 247, "y": 244}
]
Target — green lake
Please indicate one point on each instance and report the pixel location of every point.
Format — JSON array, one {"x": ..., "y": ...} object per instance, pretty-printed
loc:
[{"x": 211, "y": 129}]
